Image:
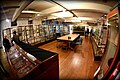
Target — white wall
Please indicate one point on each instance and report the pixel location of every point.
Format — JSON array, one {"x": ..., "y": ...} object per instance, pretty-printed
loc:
[
  {"x": 37, "y": 21},
  {"x": 22, "y": 22},
  {"x": 4, "y": 25}
]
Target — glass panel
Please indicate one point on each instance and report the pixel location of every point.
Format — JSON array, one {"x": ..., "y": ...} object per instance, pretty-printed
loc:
[{"x": 112, "y": 42}]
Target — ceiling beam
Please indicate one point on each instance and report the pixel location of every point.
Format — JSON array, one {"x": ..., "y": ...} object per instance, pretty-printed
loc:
[
  {"x": 9, "y": 7},
  {"x": 74, "y": 15},
  {"x": 18, "y": 11},
  {"x": 104, "y": 0}
]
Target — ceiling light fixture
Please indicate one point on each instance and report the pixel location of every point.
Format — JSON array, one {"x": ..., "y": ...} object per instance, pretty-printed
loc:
[
  {"x": 63, "y": 14},
  {"x": 29, "y": 11},
  {"x": 63, "y": 10},
  {"x": 38, "y": 14},
  {"x": 7, "y": 20}
]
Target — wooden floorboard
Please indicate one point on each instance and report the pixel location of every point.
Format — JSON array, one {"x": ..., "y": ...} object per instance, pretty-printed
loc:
[{"x": 78, "y": 64}]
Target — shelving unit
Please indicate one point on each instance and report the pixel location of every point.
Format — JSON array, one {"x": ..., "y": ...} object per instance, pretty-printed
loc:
[
  {"x": 111, "y": 54},
  {"x": 42, "y": 33},
  {"x": 103, "y": 35},
  {"x": 37, "y": 34},
  {"x": 46, "y": 32},
  {"x": 65, "y": 29},
  {"x": 30, "y": 34},
  {"x": 98, "y": 49},
  {"x": 8, "y": 32},
  {"x": 22, "y": 33},
  {"x": 61, "y": 29},
  {"x": 79, "y": 30},
  {"x": 98, "y": 43},
  {"x": 51, "y": 31},
  {"x": 49, "y": 28}
]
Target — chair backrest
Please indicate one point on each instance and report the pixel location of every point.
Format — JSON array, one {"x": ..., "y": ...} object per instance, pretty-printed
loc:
[{"x": 79, "y": 41}]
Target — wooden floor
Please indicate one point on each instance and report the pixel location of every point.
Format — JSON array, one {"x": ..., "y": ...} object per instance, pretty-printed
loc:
[{"x": 78, "y": 64}]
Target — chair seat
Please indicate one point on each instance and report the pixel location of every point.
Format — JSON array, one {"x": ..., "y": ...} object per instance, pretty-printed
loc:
[
  {"x": 78, "y": 43},
  {"x": 64, "y": 44}
]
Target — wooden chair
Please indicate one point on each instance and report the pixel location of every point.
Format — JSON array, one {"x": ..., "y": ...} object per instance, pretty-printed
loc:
[
  {"x": 64, "y": 45},
  {"x": 78, "y": 43}
]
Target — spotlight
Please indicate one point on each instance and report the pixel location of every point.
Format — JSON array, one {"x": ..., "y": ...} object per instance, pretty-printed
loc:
[{"x": 7, "y": 20}]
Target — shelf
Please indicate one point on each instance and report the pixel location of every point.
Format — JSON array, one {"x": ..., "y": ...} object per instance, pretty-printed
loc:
[
  {"x": 98, "y": 49},
  {"x": 97, "y": 43},
  {"x": 44, "y": 32}
]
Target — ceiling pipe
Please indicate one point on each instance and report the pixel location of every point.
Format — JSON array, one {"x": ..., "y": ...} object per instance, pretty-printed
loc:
[
  {"x": 18, "y": 11},
  {"x": 64, "y": 8}
]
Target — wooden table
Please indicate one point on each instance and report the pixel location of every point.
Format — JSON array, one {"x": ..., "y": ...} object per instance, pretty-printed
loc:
[
  {"x": 72, "y": 37},
  {"x": 69, "y": 38}
]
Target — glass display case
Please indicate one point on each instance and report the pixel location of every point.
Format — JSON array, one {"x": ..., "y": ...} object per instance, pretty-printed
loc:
[
  {"x": 66, "y": 29},
  {"x": 37, "y": 34},
  {"x": 30, "y": 34},
  {"x": 46, "y": 31},
  {"x": 61, "y": 29},
  {"x": 111, "y": 54},
  {"x": 112, "y": 41},
  {"x": 42, "y": 34},
  {"x": 22, "y": 33},
  {"x": 51, "y": 31},
  {"x": 98, "y": 40},
  {"x": 20, "y": 64}
]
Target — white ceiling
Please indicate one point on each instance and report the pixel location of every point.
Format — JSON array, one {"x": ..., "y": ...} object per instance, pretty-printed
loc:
[{"x": 92, "y": 9}]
